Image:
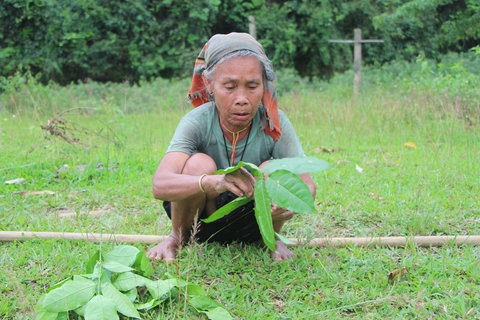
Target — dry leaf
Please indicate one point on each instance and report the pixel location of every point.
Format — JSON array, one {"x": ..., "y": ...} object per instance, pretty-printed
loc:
[
  {"x": 410, "y": 144},
  {"x": 16, "y": 181},
  {"x": 358, "y": 168},
  {"x": 397, "y": 273},
  {"x": 376, "y": 195},
  {"x": 323, "y": 149},
  {"x": 25, "y": 193}
]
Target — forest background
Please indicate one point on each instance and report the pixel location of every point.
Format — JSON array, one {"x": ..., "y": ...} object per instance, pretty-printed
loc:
[{"x": 133, "y": 40}]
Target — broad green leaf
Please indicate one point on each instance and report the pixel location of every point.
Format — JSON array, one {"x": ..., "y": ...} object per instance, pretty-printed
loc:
[
  {"x": 125, "y": 255},
  {"x": 101, "y": 308},
  {"x": 263, "y": 214},
  {"x": 106, "y": 276},
  {"x": 81, "y": 311},
  {"x": 290, "y": 192},
  {"x": 230, "y": 169},
  {"x": 210, "y": 307},
  {"x": 92, "y": 262},
  {"x": 41, "y": 313},
  {"x": 62, "y": 316},
  {"x": 296, "y": 165},
  {"x": 121, "y": 301},
  {"x": 195, "y": 290},
  {"x": 226, "y": 209},
  {"x": 59, "y": 284},
  {"x": 69, "y": 296},
  {"x": 284, "y": 239},
  {"x": 203, "y": 303},
  {"x": 218, "y": 313},
  {"x": 128, "y": 280},
  {"x": 116, "y": 267},
  {"x": 132, "y": 294},
  {"x": 152, "y": 303},
  {"x": 159, "y": 288},
  {"x": 253, "y": 168},
  {"x": 143, "y": 265},
  {"x": 46, "y": 315}
]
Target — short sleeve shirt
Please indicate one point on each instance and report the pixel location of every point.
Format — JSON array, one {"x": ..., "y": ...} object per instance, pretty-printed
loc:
[{"x": 199, "y": 131}]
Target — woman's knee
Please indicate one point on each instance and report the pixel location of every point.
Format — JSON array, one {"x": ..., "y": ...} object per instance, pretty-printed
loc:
[{"x": 199, "y": 163}]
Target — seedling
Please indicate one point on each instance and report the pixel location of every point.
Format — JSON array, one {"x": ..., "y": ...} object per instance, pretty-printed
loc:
[
  {"x": 277, "y": 182},
  {"x": 118, "y": 282}
]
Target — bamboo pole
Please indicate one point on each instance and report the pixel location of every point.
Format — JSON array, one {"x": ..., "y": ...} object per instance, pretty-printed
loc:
[{"x": 421, "y": 241}]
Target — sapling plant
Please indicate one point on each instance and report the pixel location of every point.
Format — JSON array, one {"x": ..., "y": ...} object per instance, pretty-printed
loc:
[
  {"x": 118, "y": 282},
  {"x": 277, "y": 182}
]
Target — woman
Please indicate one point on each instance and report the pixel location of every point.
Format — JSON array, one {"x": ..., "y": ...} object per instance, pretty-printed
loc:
[{"x": 236, "y": 118}]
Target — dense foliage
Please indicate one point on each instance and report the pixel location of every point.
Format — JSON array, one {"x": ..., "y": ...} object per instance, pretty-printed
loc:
[{"x": 130, "y": 40}]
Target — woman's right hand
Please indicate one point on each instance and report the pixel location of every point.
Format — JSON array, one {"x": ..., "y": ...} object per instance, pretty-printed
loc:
[{"x": 240, "y": 182}]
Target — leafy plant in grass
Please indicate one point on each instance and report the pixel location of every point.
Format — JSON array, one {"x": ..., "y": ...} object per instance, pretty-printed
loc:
[
  {"x": 277, "y": 182},
  {"x": 118, "y": 282}
]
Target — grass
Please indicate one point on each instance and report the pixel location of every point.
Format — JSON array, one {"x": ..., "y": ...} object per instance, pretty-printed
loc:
[{"x": 429, "y": 190}]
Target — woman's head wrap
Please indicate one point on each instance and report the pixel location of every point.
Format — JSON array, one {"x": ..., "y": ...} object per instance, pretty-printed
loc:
[{"x": 215, "y": 49}]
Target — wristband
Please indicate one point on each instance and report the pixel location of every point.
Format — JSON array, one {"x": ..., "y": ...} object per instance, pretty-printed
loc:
[{"x": 200, "y": 182}]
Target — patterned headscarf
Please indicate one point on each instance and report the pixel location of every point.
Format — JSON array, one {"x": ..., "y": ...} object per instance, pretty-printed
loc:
[{"x": 215, "y": 49}]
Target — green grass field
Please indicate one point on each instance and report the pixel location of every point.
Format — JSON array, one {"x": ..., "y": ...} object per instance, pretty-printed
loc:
[{"x": 432, "y": 189}]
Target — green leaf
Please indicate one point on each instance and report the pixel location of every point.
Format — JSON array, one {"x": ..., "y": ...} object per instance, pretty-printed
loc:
[
  {"x": 121, "y": 301},
  {"x": 43, "y": 314},
  {"x": 132, "y": 294},
  {"x": 92, "y": 262},
  {"x": 69, "y": 296},
  {"x": 290, "y": 192},
  {"x": 226, "y": 209},
  {"x": 253, "y": 168},
  {"x": 81, "y": 311},
  {"x": 128, "y": 280},
  {"x": 101, "y": 308},
  {"x": 284, "y": 239},
  {"x": 195, "y": 290},
  {"x": 218, "y": 313},
  {"x": 116, "y": 267},
  {"x": 62, "y": 316},
  {"x": 143, "y": 265},
  {"x": 213, "y": 309},
  {"x": 204, "y": 303},
  {"x": 152, "y": 303},
  {"x": 59, "y": 284},
  {"x": 296, "y": 165},
  {"x": 263, "y": 214},
  {"x": 125, "y": 255},
  {"x": 46, "y": 315},
  {"x": 158, "y": 289}
]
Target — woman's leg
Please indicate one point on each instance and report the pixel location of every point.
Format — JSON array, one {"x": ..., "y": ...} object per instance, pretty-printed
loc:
[{"x": 185, "y": 212}]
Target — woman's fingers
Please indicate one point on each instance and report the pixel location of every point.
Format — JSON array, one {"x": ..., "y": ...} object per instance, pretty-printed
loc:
[{"x": 242, "y": 180}]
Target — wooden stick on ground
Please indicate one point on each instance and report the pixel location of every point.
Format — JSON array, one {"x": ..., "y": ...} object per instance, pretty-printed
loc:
[{"x": 421, "y": 241}]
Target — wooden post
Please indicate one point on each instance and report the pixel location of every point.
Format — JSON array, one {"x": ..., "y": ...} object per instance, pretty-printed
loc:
[
  {"x": 357, "y": 61},
  {"x": 357, "y": 58},
  {"x": 251, "y": 26},
  {"x": 421, "y": 241}
]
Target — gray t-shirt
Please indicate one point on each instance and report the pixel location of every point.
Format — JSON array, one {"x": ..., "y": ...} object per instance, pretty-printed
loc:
[{"x": 200, "y": 131}]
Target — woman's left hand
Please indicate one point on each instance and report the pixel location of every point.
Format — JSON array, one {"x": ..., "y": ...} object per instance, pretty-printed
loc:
[{"x": 280, "y": 214}]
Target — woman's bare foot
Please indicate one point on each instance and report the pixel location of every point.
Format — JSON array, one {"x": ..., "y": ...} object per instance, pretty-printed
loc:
[
  {"x": 166, "y": 250},
  {"x": 281, "y": 252}
]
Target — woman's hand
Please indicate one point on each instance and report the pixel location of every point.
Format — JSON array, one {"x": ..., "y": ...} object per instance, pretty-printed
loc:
[
  {"x": 239, "y": 182},
  {"x": 280, "y": 214}
]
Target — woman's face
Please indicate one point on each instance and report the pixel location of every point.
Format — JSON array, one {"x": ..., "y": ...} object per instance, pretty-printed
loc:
[{"x": 237, "y": 88}]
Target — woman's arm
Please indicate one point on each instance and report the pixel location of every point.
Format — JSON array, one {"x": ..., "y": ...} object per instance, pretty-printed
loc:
[{"x": 170, "y": 183}]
